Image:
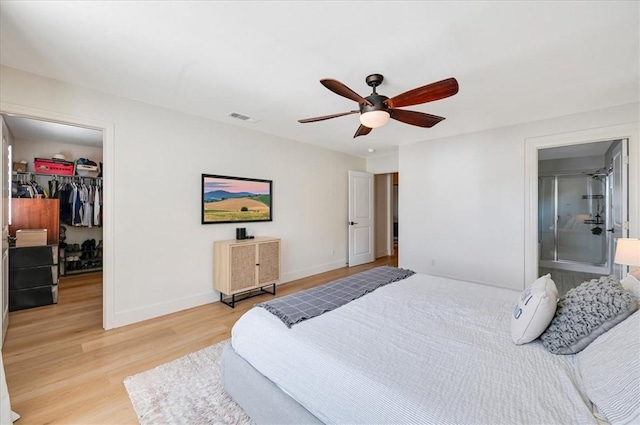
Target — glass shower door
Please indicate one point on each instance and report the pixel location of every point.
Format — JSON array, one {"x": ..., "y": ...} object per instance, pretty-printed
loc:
[{"x": 581, "y": 228}]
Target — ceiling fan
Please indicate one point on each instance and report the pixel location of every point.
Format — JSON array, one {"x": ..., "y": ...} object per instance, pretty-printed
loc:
[{"x": 376, "y": 109}]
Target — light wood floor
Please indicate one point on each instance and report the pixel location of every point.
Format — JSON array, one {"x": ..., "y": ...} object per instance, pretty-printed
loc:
[{"x": 63, "y": 368}]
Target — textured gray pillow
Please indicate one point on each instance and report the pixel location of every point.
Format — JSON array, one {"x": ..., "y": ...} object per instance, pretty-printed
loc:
[{"x": 585, "y": 313}]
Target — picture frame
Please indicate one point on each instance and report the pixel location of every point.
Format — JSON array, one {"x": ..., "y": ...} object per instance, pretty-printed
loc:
[{"x": 227, "y": 199}]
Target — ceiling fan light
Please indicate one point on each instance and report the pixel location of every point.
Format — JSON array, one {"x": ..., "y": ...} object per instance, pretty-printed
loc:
[{"x": 374, "y": 119}]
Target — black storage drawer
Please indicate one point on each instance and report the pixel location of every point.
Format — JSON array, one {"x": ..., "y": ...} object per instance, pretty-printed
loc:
[
  {"x": 33, "y": 256},
  {"x": 32, "y": 297},
  {"x": 32, "y": 277}
]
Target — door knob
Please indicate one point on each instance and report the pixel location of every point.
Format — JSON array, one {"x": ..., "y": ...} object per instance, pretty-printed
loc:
[
  {"x": 352, "y": 223},
  {"x": 611, "y": 230}
]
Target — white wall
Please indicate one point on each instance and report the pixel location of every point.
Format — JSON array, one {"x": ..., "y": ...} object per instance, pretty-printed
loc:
[
  {"x": 463, "y": 198},
  {"x": 581, "y": 164},
  {"x": 383, "y": 164},
  {"x": 163, "y": 255}
]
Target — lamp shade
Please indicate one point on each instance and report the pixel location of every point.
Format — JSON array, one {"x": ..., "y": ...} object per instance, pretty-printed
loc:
[
  {"x": 374, "y": 119},
  {"x": 628, "y": 252}
]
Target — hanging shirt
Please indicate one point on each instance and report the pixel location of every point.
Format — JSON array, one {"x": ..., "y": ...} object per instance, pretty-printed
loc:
[
  {"x": 66, "y": 210},
  {"x": 76, "y": 202},
  {"x": 96, "y": 207},
  {"x": 87, "y": 215}
]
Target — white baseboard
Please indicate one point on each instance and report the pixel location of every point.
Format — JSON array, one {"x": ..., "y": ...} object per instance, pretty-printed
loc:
[
  {"x": 128, "y": 317},
  {"x": 382, "y": 253},
  {"x": 299, "y": 274}
]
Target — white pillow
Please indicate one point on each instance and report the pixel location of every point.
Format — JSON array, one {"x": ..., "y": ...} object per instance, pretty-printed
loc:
[{"x": 534, "y": 311}]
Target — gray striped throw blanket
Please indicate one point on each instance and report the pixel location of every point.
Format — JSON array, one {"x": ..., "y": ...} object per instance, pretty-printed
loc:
[{"x": 304, "y": 305}]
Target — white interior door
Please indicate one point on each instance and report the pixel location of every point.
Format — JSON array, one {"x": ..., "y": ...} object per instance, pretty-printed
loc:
[
  {"x": 618, "y": 180},
  {"x": 5, "y": 172},
  {"x": 361, "y": 223}
]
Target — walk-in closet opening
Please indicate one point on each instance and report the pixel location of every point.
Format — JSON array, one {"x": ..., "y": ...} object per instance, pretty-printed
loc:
[{"x": 56, "y": 201}]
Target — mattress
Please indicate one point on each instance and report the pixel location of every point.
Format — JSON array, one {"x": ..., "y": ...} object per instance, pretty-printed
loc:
[{"x": 422, "y": 350}]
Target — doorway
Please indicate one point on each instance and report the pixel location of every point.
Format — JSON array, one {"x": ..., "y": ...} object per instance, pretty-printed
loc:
[
  {"x": 373, "y": 217},
  {"x": 106, "y": 130},
  {"x": 386, "y": 213},
  {"x": 630, "y": 201},
  {"x": 578, "y": 202},
  {"x": 45, "y": 155}
]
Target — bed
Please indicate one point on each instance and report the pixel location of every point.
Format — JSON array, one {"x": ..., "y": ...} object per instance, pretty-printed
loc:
[{"x": 421, "y": 350}]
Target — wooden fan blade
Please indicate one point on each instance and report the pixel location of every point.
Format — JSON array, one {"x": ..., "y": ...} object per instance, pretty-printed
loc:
[
  {"x": 415, "y": 118},
  {"x": 424, "y": 94},
  {"x": 338, "y": 88},
  {"x": 362, "y": 131},
  {"x": 326, "y": 117}
]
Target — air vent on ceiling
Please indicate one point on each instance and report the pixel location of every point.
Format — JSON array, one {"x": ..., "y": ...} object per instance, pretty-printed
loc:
[{"x": 243, "y": 117}]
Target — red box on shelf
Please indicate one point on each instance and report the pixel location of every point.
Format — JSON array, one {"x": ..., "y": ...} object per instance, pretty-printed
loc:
[{"x": 53, "y": 166}]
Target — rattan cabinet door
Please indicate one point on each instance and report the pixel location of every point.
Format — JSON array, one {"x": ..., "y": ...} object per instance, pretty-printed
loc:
[
  {"x": 242, "y": 267},
  {"x": 269, "y": 261}
]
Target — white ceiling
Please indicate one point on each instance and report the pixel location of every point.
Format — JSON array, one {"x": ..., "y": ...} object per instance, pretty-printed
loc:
[{"x": 515, "y": 61}]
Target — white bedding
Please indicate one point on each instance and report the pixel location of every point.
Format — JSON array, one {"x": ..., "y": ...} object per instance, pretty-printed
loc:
[{"x": 422, "y": 350}]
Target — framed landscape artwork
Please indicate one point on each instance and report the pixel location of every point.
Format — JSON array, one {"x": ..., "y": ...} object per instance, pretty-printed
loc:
[{"x": 228, "y": 199}]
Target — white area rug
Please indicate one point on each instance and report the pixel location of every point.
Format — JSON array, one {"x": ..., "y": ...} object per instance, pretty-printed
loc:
[{"x": 187, "y": 390}]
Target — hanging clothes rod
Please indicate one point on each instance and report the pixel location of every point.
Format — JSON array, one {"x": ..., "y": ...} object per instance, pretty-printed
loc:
[{"x": 29, "y": 174}]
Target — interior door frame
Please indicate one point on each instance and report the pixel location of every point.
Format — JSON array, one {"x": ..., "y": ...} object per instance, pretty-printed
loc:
[
  {"x": 623, "y": 131},
  {"x": 617, "y": 228},
  {"x": 108, "y": 178}
]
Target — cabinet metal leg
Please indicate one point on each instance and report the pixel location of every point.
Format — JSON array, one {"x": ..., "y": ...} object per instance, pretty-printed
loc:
[{"x": 234, "y": 298}]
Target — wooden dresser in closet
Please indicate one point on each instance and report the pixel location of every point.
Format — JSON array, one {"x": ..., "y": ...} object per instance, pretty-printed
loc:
[{"x": 36, "y": 213}]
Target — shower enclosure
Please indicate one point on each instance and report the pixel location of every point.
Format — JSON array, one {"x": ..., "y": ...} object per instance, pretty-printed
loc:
[{"x": 573, "y": 222}]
